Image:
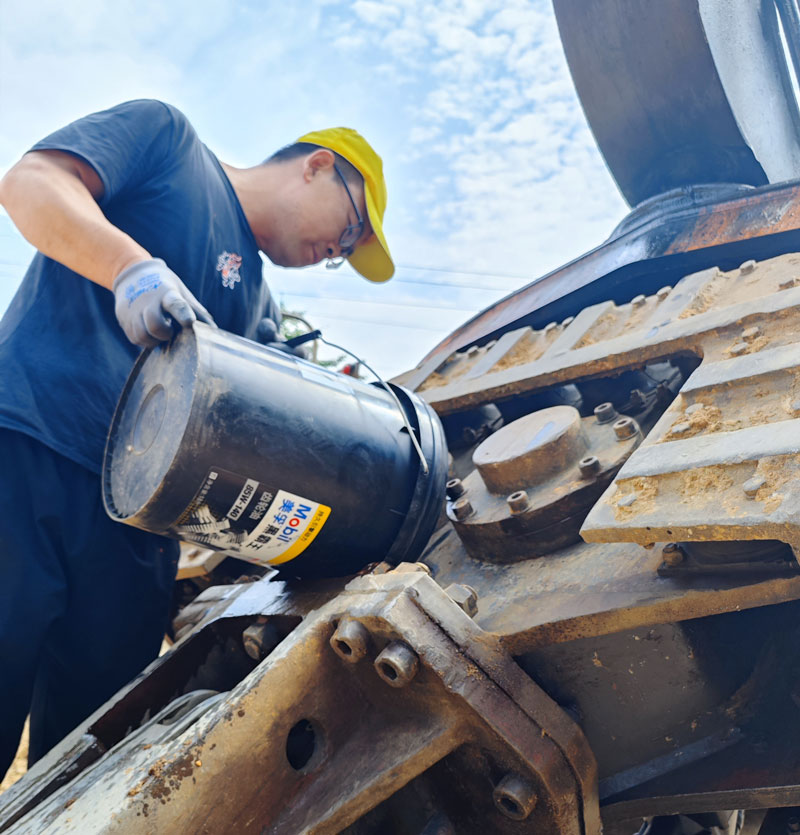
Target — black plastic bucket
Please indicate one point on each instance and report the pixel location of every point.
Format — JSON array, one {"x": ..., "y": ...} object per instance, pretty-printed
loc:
[{"x": 225, "y": 443}]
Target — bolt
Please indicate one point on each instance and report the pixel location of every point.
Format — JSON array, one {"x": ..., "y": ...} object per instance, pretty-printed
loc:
[
  {"x": 787, "y": 284},
  {"x": 550, "y": 327},
  {"x": 753, "y": 485},
  {"x": 517, "y": 502},
  {"x": 605, "y": 413},
  {"x": 738, "y": 348},
  {"x": 747, "y": 267},
  {"x": 638, "y": 301},
  {"x": 627, "y": 501},
  {"x": 491, "y": 343},
  {"x": 679, "y": 429},
  {"x": 625, "y": 428},
  {"x": 455, "y": 488},
  {"x": 462, "y": 509},
  {"x": 673, "y": 554},
  {"x": 464, "y": 596},
  {"x": 749, "y": 334},
  {"x": 350, "y": 641},
  {"x": 472, "y": 350},
  {"x": 568, "y": 321},
  {"x": 397, "y": 664},
  {"x": 259, "y": 640},
  {"x": 515, "y": 797},
  {"x": 663, "y": 293},
  {"x": 589, "y": 466}
]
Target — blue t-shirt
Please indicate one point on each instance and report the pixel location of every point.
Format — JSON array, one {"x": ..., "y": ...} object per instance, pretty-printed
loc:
[{"x": 63, "y": 357}]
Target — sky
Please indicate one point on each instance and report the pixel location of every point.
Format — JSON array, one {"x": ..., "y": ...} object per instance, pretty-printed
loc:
[{"x": 492, "y": 172}]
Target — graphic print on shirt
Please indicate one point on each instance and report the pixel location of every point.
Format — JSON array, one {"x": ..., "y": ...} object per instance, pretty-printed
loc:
[{"x": 229, "y": 264}]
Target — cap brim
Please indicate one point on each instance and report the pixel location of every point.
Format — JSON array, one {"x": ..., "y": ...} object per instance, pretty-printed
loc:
[{"x": 372, "y": 259}]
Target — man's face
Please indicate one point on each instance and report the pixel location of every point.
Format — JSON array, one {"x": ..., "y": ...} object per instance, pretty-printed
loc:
[{"x": 315, "y": 211}]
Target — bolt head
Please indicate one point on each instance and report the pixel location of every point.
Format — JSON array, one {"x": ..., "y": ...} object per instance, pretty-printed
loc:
[
  {"x": 747, "y": 267},
  {"x": 464, "y": 596},
  {"x": 568, "y": 321},
  {"x": 455, "y": 488},
  {"x": 639, "y": 301},
  {"x": 663, "y": 293},
  {"x": 397, "y": 664},
  {"x": 259, "y": 639},
  {"x": 680, "y": 429},
  {"x": 738, "y": 348},
  {"x": 627, "y": 500},
  {"x": 625, "y": 428},
  {"x": 605, "y": 413},
  {"x": 518, "y": 501},
  {"x": 514, "y": 797},
  {"x": 350, "y": 641},
  {"x": 589, "y": 466},
  {"x": 787, "y": 284},
  {"x": 462, "y": 509}
]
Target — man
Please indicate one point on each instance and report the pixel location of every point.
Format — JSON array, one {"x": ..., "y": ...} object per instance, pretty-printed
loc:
[{"x": 139, "y": 229}]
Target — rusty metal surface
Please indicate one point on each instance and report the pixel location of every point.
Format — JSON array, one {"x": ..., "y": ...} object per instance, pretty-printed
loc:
[
  {"x": 368, "y": 738},
  {"x": 535, "y": 480}
]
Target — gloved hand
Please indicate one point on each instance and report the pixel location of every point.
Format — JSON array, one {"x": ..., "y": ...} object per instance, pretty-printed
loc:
[
  {"x": 148, "y": 297},
  {"x": 267, "y": 334}
]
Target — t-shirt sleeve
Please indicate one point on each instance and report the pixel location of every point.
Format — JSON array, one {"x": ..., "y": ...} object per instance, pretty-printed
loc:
[{"x": 127, "y": 145}]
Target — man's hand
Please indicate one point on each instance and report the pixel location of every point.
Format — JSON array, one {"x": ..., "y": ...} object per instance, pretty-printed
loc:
[
  {"x": 149, "y": 297},
  {"x": 267, "y": 335}
]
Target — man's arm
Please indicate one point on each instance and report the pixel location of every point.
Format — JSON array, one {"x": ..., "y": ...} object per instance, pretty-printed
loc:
[{"x": 52, "y": 198}]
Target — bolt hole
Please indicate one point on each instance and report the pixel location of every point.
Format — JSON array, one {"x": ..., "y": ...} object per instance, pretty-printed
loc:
[
  {"x": 344, "y": 648},
  {"x": 518, "y": 495},
  {"x": 389, "y": 671},
  {"x": 511, "y": 806},
  {"x": 301, "y": 743}
]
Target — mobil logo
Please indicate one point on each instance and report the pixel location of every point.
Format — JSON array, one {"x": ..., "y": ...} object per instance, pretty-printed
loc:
[{"x": 295, "y": 523}]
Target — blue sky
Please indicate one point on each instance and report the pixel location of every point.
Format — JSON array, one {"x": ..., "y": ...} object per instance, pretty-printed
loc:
[{"x": 493, "y": 175}]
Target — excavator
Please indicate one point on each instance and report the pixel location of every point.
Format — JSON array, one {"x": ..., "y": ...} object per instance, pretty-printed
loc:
[{"x": 586, "y": 615}]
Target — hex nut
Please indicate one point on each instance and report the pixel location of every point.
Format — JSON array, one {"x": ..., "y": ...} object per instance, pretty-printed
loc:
[
  {"x": 462, "y": 509},
  {"x": 397, "y": 664},
  {"x": 259, "y": 639},
  {"x": 464, "y": 596},
  {"x": 663, "y": 293},
  {"x": 639, "y": 301},
  {"x": 753, "y": 485},
  {"x": 350, "y": 641},
  {"x": 454, "y": 488},
  {"x": 625, "y": 428},
  {"x": 605, "y": 413},
  {"x": 589, "y": 466},
  {"x": 747, "y": 267},
  {"x": 514, "y": 797},
  {"x": 518, "y": 501}
]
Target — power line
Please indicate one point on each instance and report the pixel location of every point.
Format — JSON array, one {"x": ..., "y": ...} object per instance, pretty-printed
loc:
[
  {"x": 362, "y": 321},
  {"x": 426, "y": 282},
  {"x": 327, "y": 298}
]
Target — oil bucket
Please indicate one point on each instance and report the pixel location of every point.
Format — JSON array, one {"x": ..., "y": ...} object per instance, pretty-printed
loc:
[{"x": 222, "y": 442}]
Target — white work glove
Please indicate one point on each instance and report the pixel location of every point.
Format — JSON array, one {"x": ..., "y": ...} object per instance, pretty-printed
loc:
[{"x": 148, "y": 297}]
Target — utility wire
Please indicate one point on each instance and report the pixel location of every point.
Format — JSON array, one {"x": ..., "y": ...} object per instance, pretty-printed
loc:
[{"x": 327, "y": 298}]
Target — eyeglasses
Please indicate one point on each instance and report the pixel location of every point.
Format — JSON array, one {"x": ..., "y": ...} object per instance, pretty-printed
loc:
[{"x": 352, "y": 233}]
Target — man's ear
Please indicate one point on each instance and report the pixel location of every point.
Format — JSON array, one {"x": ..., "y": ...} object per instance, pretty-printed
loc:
[{"x": 318, "y": 161}]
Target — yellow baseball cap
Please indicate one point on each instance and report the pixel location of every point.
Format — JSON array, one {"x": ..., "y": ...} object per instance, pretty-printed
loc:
[{"x": 372, "y": 259}]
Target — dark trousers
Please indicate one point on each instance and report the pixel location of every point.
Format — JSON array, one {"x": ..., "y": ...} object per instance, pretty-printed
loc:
[{"x": 84, "y": 601}]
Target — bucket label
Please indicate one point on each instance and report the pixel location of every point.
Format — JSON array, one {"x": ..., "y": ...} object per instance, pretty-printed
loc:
[{"x": 250, "y": 520}]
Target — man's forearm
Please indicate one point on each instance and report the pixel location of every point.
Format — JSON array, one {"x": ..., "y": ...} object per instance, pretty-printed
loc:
[{"x": 55, "y": 211}]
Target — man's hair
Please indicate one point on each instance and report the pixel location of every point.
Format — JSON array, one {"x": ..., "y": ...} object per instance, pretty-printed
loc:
[{"x": 302, "y": 149}]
